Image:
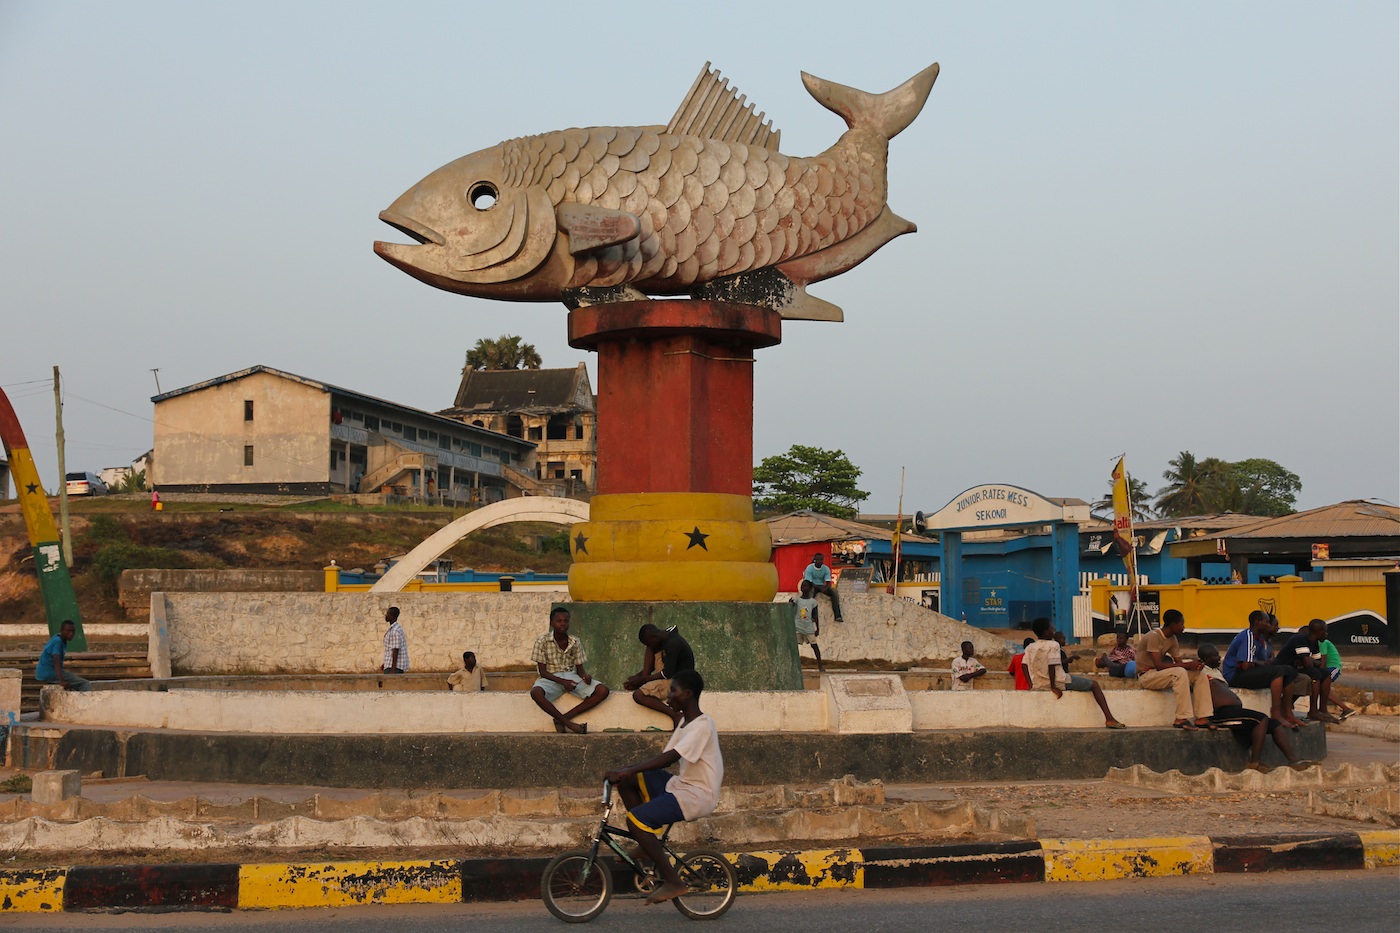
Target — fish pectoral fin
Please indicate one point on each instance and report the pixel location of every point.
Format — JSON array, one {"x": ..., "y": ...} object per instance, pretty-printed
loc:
[
  {"x": 770, "y": 288},
  {"x": 591, "y": 227},
  {"x": 805, "y": 307}
]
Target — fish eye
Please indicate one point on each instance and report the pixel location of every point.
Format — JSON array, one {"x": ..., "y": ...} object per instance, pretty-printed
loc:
[{"x": 482, "y": 195}]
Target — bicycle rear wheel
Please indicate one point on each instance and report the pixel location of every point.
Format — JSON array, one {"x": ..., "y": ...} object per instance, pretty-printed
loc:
[
  {"x": 712, "y": 881},
  {"x": 576, "y": 887}
]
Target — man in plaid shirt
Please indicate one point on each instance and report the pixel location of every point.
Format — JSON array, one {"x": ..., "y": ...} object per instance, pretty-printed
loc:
[
  {"x": 395, "y": 644},
  {"x": 559, "y": 657}
]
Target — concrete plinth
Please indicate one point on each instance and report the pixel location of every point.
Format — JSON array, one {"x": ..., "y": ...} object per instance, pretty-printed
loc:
[
  {"x": 56, "y": 786},
  {"x": 738, "y": 645}
]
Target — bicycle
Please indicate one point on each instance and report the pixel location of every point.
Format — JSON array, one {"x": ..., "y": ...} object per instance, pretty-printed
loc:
[{"x": 577, "y": 885}]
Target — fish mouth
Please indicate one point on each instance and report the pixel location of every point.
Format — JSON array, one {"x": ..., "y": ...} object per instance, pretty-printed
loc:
[{"x": 411, "y": 227}]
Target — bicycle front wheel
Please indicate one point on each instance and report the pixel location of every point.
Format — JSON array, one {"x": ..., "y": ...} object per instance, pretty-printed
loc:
[
  {"x": 576, "y": 887},
  {"x": 712, "y": 881}
]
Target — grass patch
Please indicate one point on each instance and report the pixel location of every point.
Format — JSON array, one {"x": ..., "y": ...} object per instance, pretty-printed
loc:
[{"x": 17, "y": 784}]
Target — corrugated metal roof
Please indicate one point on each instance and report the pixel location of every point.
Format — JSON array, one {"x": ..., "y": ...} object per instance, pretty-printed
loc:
[
  {"x": 1354, "y": 518},
  {"x": 518, "y": 389},
  {"x": 808, "y": 527}
]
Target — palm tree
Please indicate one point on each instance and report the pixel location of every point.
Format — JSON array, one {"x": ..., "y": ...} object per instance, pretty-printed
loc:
[
  {"x": 1194, "y": 486},
  {"x": 505, "y": 352}
]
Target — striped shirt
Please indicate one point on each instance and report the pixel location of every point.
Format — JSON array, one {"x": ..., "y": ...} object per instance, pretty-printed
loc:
[
  {"x": 394, "y": 638},
  {"x": 557, "y": 660}
]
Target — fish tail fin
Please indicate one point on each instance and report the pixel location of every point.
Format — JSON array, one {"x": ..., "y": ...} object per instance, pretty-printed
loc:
[{"x": 887, "y": 113}]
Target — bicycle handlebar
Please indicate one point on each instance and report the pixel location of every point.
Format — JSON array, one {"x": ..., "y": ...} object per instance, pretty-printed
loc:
[{"x": 607, "y": 791}]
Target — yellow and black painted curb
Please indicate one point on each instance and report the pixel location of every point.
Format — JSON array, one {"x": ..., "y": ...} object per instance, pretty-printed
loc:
[{"x": 452, "y": 881}]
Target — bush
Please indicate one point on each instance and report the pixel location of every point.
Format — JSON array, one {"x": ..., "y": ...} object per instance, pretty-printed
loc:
[
  {"x": 106, "y": 529},
  {"x": 112, "y": 559}
]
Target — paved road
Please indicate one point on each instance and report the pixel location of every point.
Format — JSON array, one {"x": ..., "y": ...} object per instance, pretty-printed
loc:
[
  {"x": 1371, "y": 680},
  {"x": 1336, "y": 902}
]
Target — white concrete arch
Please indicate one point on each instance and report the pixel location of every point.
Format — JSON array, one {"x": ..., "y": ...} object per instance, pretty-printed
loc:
[{"x": 523, "y": 509}]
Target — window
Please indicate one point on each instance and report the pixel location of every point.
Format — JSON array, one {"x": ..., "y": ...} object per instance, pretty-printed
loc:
[
  {"x": 505, "y": 456},
  {"x": 248, "y": 409},
  {"x": 371, "y": 423},
  {"x": 535, "y": 434},
  {"x": 409, "y": 433},
  {"x": 578, "y": 431},
  {"x": 248, "y": 455},
  {"x": 558, "y": 429},
  {"x": 576, "y": 474},
  {"x": 475, "y": 449},
  {"x": 444, "y": 442}
]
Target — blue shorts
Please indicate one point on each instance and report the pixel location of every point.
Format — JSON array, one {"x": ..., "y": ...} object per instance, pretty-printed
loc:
[
  {"x": 553, "y": 691},
  {"x": 658, "y": 807},
  {"x": 1078, "y": 684},
  {"x": 1335, "y": 673}
]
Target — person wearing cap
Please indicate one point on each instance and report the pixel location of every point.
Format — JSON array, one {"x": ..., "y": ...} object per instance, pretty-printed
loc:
[{"x": 819, "y": 575}]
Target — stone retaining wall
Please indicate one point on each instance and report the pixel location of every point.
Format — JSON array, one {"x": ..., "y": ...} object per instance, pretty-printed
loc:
[
  {"x": 342, "y": 633},
  {"x": 135, "y": 587}
]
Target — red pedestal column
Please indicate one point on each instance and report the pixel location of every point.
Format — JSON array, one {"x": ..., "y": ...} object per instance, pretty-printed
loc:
[{"x": 675, "y": 392}]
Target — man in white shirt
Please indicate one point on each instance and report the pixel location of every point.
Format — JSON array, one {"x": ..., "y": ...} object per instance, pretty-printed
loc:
[
  {"x": 1044, "y": 665},
  {"x": 966, "y": 668},
  {"x": 655, "y": 797}
]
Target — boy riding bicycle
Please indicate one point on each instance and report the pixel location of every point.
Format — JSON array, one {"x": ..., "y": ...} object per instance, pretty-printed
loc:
[{"x": 655, "y": 797}]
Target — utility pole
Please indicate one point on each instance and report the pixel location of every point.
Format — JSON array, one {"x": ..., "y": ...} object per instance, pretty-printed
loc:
[{"x": 62, "y": 475}]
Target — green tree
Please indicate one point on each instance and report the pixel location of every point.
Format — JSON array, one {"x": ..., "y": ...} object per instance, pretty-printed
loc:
[
  {"x": 505, "y": 352},
  {"x": 1137, "y": 496},
  {"x": 1194, "y": 486},
  {"x": 808, "y": 478},
  {"x": 1258, "y": 486}
]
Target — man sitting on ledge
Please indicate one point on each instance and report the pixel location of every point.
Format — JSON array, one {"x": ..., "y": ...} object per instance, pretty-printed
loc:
[
  {"x": 1158, "y": 669},
  {"x": 559, "y": 657},
  {"x": 1248, "y": 725},
  {"x": 1044, "y": 663}
]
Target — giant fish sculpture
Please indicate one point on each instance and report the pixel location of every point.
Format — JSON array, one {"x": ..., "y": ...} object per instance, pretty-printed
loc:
[{"x": 705, "y": 206}]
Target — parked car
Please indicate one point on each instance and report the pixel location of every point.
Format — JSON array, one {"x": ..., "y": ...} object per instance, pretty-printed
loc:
[{"x": 85, "y": 484}]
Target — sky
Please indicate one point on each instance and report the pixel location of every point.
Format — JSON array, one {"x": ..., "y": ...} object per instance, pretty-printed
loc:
[{"x": 1144, "y": 228}]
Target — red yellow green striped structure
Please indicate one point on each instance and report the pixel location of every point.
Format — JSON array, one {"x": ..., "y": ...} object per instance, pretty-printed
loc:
[{"x": 60, "y": 602}]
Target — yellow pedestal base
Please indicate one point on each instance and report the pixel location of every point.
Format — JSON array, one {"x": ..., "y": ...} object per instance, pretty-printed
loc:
[{"x": 672, "y": 546}]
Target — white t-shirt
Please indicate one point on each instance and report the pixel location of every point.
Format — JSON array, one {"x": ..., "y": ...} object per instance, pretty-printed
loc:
[
  {"x": 806, "y": 616},
  {"x": 696, "y": 785},
  {"x": 1040, "y": 654},
  {"x": 962, "y": 665}
]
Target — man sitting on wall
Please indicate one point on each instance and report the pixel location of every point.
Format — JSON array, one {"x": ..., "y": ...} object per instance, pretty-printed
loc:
[
  {"x": 1159, "y": 669},
  {"x": 1248, "y": 725},
  {"x": 820, "y": 576},
  {"x": 1247, "y": 666},
  {"x": 666, "y": 653},
  {"x": 1120, "y": 661},
  {"x": 1044, "y": 662}
]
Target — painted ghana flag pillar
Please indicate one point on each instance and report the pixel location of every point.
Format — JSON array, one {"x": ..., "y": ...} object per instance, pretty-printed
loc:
[
  {"x": 673, "y": 515},
  {"x": 60, "y": 602},
  {"x": 671, "y": 538}
]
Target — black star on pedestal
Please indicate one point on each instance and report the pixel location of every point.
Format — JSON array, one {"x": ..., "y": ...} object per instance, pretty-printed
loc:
[
  {"x": 32, "y": 488},
  {"x": 696, "y": 538},
  {"x": 580, "y": 544}
]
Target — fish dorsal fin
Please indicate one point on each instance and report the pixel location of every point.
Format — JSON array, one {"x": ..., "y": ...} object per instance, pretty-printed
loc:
[{"x": 715, "y": 110}]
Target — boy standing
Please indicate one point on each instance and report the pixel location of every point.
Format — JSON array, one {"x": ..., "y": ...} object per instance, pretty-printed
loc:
[
  {"x": 470, "y": 678},
  {"x": 966, "y": 668},
  {"x": 805, "y": 620}
]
